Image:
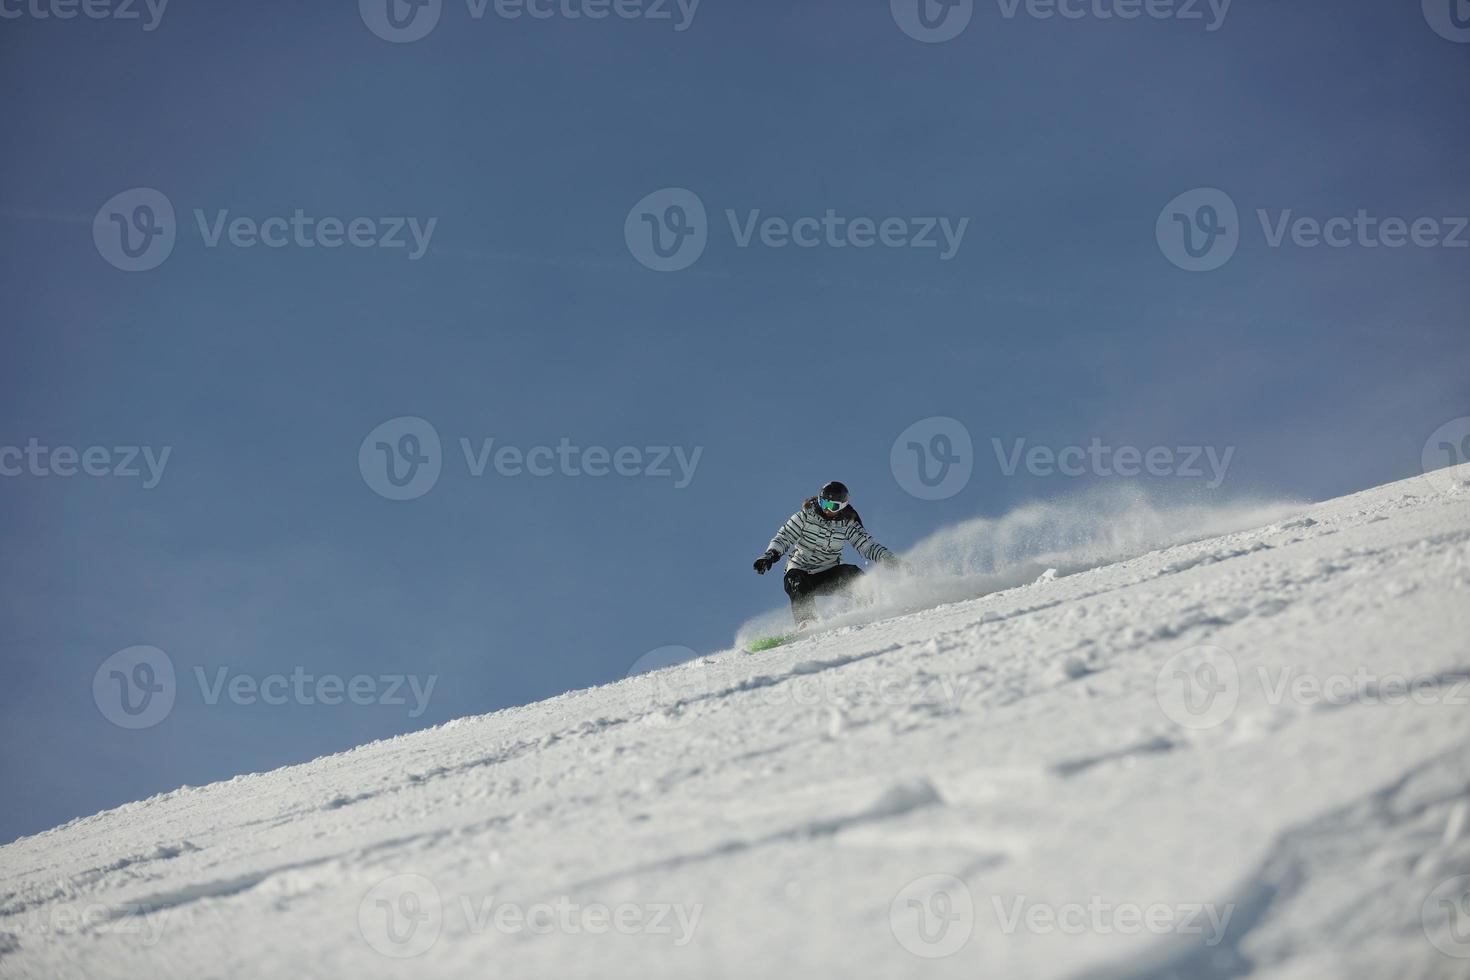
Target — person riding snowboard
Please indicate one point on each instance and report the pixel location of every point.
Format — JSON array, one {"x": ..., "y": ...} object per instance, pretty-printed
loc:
[{"x": 815, "y": 535}]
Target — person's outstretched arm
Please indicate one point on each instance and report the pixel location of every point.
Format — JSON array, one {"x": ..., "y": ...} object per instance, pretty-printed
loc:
[
  {"x": 867, "y": 546},
  {"x": 787, "y": 536},
  {"x": 779, "y": 544}
]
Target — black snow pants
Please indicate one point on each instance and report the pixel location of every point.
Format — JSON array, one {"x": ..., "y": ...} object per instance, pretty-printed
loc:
[{"x": 804, "y": 587}]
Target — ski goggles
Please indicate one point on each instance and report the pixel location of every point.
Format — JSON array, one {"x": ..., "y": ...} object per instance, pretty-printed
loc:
[{"x": 831, "y": 506}]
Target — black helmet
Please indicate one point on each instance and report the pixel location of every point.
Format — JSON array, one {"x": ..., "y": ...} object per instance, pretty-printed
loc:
[{"x": 834, "y": 493}]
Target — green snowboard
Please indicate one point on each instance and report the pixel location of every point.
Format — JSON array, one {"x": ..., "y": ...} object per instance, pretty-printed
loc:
[{"x": 768, "y": 642}]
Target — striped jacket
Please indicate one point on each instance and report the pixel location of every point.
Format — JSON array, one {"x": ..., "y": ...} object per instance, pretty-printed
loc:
[{"x": 815, "y": 542}]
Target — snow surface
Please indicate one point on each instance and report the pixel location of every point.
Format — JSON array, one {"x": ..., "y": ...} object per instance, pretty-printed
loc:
[{"x": 1124, "y": 771}]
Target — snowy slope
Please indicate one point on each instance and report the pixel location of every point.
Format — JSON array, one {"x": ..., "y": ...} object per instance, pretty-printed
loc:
[{"x": 1126, "y": 772}]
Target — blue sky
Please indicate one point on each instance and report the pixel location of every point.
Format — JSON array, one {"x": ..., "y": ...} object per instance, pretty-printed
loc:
[{"x": 1060, "y": 319}]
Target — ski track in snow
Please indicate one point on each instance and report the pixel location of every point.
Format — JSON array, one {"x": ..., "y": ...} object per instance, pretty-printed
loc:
[{"x": 765, "y": 815}]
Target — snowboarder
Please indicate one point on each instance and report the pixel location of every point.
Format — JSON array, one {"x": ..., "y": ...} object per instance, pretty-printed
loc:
[{"x": 815, "y": 535}]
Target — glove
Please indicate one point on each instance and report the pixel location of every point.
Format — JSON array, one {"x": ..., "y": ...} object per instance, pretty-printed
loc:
[
  {"x": 894, "y": 563},
  {"x": 764, "y": 562}
]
